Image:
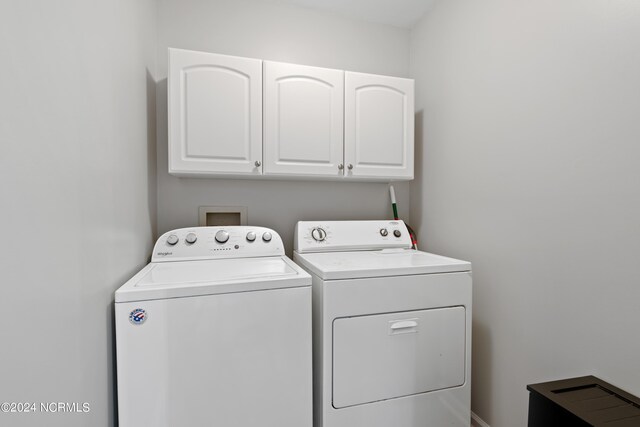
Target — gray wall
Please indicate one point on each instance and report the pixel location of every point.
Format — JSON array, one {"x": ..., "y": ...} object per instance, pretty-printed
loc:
[
  {"x": 77, "y": 125},
  {"x": 269, "y": 30},
  {"x": 529, "y": 147}
]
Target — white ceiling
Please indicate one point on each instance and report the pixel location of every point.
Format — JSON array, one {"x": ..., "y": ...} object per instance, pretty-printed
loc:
[{"x": 399, "y": 13}]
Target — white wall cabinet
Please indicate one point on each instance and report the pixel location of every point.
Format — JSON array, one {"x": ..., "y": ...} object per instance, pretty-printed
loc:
[
  {"x": 215, "y": 114},
  {"x": 379, "y": 126},
  {"x": 303, "y": 120},
  {"x": 318, "y": 123}
]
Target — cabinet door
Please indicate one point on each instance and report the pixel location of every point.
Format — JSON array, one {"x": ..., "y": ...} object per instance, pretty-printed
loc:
[
  {"x": 378, "y": 126},
  {"x": 215, "y": 114},
  {"x": 303, "y": 120}
]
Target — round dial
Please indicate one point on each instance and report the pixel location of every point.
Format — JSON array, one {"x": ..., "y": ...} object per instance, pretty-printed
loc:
[
  {"x": 222, "y": 236},
  {"x": 397, "y": 233},
  {"x": 191, "y": 238},
  {"x": 318, "y": 234},
  {"x": 172, "y": 239},
  {"x": 266, "y": 236},
  {"x": 251, "y": 236},
  {"x": 384, "y": 232}
]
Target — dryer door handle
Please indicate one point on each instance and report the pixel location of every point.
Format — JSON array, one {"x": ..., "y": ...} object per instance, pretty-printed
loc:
[{"x": 403, "y": 326}]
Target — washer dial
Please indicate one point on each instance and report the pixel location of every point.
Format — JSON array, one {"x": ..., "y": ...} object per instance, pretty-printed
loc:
[
  {"x": 191, "y": 238},
  {"x": 222, "y": 236},
  {"x": 172, "y": 239}
]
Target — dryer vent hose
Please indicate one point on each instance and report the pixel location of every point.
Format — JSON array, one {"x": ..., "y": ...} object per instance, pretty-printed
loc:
[
  {"x": 414, "y": 238},
  {"x": 394, "y": 206}
]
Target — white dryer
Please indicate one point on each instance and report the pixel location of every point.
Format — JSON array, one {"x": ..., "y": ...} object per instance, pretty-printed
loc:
[
  {"x": 215, "y": 331},
  {"x": 391, "y": 325}
]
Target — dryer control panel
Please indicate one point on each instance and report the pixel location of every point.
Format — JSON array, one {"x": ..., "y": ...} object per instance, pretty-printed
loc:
[
  {"x": 217, "y": 242},
  {"x": 334, "y": 236}
]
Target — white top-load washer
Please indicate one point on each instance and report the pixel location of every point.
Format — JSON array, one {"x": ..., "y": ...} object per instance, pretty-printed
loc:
[
  {"x": 391, "y": 325},
  {"x": 215, "y": 331}
]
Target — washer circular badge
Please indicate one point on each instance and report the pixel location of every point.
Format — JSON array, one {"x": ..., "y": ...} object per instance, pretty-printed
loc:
[{"x": 138, "y": 316}]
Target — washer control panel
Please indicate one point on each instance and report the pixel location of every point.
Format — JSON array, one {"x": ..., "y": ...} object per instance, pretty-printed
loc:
[
  {"x": 329, "y": 236},
  {"x": 217, "y": 242}
]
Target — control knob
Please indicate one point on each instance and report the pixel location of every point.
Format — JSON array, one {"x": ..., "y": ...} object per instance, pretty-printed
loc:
[
  {"x": 222, "y": 236},
  {"x": 397, "y": 233},
  {"x": 266, "y": 236},
  {"x": 191, "y": 238},
  {"x": 318, "y": 234},
  {"x": 384, "y": 232},
  {"x": 172, "y": 239},
  {"x": 251, "y": 236}
]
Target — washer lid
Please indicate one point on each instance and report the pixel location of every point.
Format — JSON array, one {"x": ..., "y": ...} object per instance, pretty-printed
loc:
[
  {"x": 387, "y": 262},
  {"x": 160, "y": 280}
]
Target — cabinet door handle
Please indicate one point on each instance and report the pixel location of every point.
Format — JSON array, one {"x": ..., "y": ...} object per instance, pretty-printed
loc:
[
  {"x": 258, "y": 163},
  {"x": 340, "y": 166},
  {"x": 350, "y": 166}
]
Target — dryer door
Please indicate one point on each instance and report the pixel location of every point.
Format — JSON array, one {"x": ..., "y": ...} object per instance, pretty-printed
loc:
[{"x": 386, "y": 356}]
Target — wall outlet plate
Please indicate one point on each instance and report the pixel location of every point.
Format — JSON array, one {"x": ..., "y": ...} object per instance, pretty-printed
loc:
[{"x": 222, "y": 215}]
